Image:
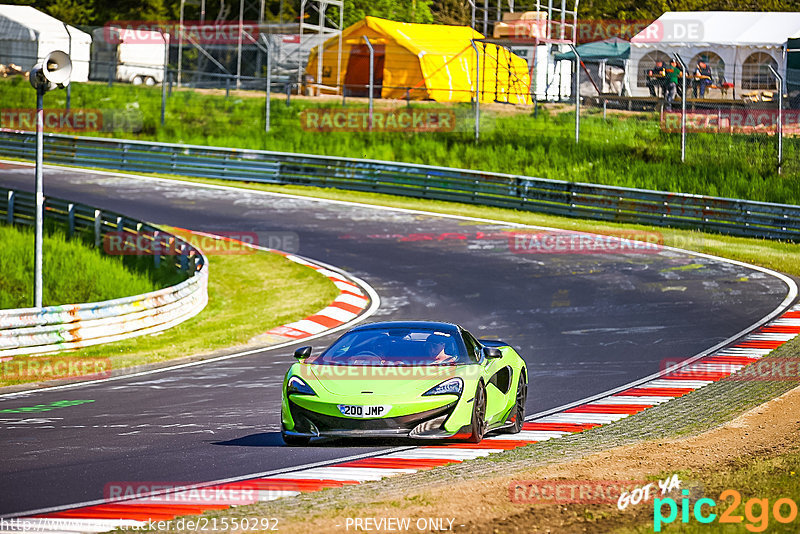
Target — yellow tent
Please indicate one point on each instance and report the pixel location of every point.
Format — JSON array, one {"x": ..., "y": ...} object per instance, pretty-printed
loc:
[{"x": 421, "y": 61}]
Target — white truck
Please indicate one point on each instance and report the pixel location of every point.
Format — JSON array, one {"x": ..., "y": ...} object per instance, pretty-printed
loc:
[{"x": 131, "y": 56}]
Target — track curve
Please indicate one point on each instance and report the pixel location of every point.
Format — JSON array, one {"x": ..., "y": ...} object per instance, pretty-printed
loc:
[{"x": 585, "y": 324}]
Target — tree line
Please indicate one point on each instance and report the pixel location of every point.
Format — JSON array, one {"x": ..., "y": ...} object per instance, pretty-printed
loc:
[{"x": 458, "y": 12}]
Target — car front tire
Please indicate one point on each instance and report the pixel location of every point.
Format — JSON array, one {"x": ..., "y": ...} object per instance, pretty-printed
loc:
[
  {"x": 522, "y": 397},
  {"x": 478, "y": 415}
]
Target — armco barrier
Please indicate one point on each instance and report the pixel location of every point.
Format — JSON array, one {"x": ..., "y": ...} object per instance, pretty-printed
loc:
[
  {"x": 53, "y": 328},
  {"x": 617, "y": 204}
]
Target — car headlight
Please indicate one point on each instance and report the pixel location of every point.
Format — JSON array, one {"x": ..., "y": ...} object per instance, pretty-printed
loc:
[
  {"x": 454, "y": 386},
  {"x": 298, "y": 386}
]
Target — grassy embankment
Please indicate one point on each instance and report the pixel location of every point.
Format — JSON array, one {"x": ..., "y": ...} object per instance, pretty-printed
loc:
[
  {"x": 627, "y": 150},
  {"x": 99, "y": 278},
  {"x": 248, "y": 295}
]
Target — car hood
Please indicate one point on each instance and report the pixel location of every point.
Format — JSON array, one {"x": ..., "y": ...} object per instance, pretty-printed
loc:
[{"x": 408, "y": 381}]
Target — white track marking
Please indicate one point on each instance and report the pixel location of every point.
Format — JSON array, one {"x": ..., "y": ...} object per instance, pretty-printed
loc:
[
  {"x": 631, "y": 399},
  {"x": 601, "y": 418},
  {"x": 446, "y": 453},
  {"x": 669, "y": 383},
  {"x": 531, "y": 435}
]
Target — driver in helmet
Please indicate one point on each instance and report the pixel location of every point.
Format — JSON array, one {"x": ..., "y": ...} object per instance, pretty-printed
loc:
[{"x": 437, "y": 349}]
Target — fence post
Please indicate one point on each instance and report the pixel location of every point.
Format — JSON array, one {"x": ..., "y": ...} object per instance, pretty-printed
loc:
[
  {"x": 577, "y": 94},
  {"x": 184, "y": 259},
  {"x": 371, "y": 77},
  {"x": 10, "y": 214},
  {"x": 269, "y": 87},
  {"x": 112, "y": 71},
  {"x": 98, "y": 223},
  {"x": 164, "y": 80},
  {"x": 156, "y": 248},
  {"x": 779, "y": 131},
  {"x": 477, "y": 90},
  {"x": 683, "y": 107}
]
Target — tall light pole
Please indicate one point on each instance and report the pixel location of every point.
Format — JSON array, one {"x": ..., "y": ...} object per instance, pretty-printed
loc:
[{"x": 53, "y": 72}]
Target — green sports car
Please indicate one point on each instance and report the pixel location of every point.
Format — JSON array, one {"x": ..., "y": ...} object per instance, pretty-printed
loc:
[{"x": 423, "y": 380}]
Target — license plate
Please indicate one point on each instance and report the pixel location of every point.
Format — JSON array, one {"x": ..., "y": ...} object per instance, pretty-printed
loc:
[{"x": 349, "y": 410}]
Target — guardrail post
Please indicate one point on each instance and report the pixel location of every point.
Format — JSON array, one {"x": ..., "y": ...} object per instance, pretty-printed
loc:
[
  {"x": 70, "y": 219},
  {"x": 98, "y": 224},
  {"x": 120, "y": 224},
  {"x": 184, "y": 259},
  {"x": 10, "y": 214},
  {"x": 577, "y": 94},
  {"x": 156, "y": 246}
]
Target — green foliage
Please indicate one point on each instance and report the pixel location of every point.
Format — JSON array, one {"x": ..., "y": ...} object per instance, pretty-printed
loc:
[
  {"x": 408, "y": 11},
  {"x": 72, "y": 11},
  {"x": 637, "y": 10},
  {"x": 72, "y": 271},
  {"x": 452, "y": 12},
  {"x": 99, "y": 12},
  {"x": 630, "y": 151}
]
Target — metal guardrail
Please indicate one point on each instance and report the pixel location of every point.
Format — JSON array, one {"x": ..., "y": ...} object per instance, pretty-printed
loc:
[
  {"x": 53, "y": 328},
  {"x": 607, "y": 203}
]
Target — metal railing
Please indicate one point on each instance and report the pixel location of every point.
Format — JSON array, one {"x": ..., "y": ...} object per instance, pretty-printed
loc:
[
  {"x": 570, "y": 199},
  {"x": 70, "y": 326}
]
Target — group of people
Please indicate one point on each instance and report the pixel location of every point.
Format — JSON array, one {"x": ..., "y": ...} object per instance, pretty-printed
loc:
[{"x": 666, "y": 80}]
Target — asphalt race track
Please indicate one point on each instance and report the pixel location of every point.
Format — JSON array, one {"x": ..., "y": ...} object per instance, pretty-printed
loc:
[{"x": 585, "y": 323}]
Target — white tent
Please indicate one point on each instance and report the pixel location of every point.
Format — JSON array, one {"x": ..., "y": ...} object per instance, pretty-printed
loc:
[
  {"x": 737, "y": 45},
  {"x": 27, "y": 35}
]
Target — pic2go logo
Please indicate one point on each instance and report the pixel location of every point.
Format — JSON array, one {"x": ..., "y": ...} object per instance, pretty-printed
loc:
[{"x": 756, "y": 511}]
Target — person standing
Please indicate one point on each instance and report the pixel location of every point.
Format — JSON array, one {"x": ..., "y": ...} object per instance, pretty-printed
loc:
[
  {"x": 673, "y": 74},
  {"x": 655, "y": 79},
  {"x": 703, "y": 77}
]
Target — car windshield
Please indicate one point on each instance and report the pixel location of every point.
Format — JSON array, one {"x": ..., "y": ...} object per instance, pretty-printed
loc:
[{"x": 394, "y": 346}]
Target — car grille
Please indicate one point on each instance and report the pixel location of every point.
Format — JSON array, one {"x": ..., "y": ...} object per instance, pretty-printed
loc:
[{"x": 324, "y": 423}]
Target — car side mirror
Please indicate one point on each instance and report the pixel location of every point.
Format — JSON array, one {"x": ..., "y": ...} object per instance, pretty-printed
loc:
[
  {"x": 492, "y": 352},
  {"x": 302, "y": 353}
]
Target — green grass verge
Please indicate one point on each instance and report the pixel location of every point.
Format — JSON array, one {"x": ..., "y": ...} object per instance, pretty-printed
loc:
[
  {"x": 764, "y": 479},
  {"x": 100, "y": 277},
  {"x": 629, "y": 150},
  {"x": 248, "y": 295}
]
